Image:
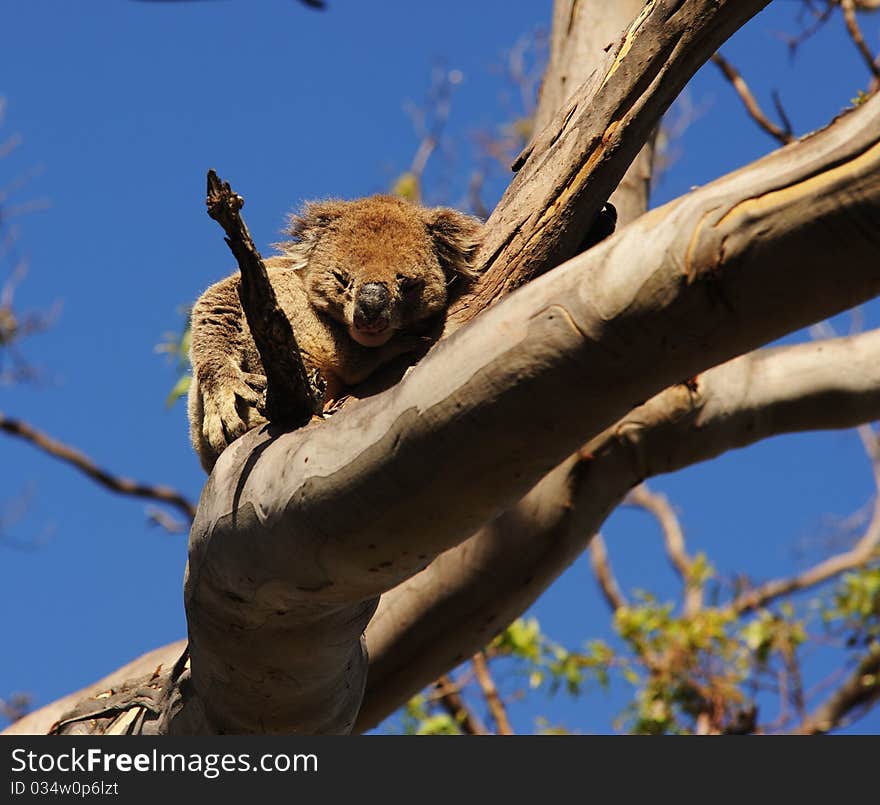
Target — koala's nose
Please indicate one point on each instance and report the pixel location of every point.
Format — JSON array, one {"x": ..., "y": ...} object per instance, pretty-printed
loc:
[{"x": 372, "y": 305}]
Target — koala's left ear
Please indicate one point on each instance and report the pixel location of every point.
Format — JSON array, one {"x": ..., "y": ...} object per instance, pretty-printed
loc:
[
  {"x": 456, "y": 237},
  {"x": 307, "y": 228}
]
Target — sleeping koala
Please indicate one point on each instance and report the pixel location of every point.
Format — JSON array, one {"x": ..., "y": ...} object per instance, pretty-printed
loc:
[{"x": 362, "y": 282}]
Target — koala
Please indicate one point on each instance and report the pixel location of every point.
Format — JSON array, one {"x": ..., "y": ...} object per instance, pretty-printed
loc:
[{"x": 361, "y": 281}]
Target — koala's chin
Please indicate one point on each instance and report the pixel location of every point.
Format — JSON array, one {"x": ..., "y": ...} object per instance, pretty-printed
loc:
[{"x": 370, "y": 339}]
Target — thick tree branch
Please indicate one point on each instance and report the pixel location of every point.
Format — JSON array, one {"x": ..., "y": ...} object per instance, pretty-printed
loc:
[
  {"x": 471, "y": 592},
  {"x": 584, "y": 32},
  {"x": 84, "y": 464},
  {"x": 40, "y": 721}
]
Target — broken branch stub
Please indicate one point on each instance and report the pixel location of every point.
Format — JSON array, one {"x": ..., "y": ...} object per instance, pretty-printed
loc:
[{"x": 292, "y": 398}]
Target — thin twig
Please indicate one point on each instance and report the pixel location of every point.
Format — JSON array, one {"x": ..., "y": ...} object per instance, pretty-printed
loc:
[
  {"x": 490, "y": 693},
  {"x": 673, "y": 539},
  {"x": 172, "y": 525},
  {"x": 859, "y": 555},
  {"x": 819, "y": 19},
  {"x": 450, "y": 699},
  {"x": 860, "y": 689},
  {"x": 604, "y": 575},
  {"x": 781, "y": 135},
  {"x": 780, "y": 110},
  {"x": 80, "y": 461},
  {"x": 855, "y": 33}
]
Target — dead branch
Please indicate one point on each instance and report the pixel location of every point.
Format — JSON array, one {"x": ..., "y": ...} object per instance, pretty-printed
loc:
[
  {"x": 291, "y": 399},
  {"x": 84, "y": 464}
]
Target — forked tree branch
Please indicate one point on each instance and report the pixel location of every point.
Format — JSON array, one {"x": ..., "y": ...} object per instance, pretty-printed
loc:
[{"x": 782, "y": 135}]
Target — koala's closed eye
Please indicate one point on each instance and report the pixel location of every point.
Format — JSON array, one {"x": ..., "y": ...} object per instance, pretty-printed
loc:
[{"x": 409, "y": 286}]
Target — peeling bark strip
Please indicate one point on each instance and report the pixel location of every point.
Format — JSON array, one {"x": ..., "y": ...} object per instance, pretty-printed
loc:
[
  {"x": 298, "y": 534},
  {"x": 584, "y": 34},
  {"x": 290, "y": 397},
  {"x": 576, "y": 162}
]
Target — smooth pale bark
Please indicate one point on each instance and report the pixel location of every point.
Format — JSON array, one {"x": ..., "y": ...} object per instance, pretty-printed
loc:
[
  {"x": 471, "y": 592},
  {"x": 442, "y": 615},
  {"x": 298, "y": 533}
]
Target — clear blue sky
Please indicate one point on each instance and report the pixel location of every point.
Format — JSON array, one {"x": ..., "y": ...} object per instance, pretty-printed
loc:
[{"x": 122, "y": 106}]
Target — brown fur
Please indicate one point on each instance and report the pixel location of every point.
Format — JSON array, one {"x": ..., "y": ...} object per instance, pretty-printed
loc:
[{"x": 326, "y": 279}]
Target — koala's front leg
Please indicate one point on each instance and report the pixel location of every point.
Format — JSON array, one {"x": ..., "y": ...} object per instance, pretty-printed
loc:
[
  {"x": 225, "y": 400},
  {"x": 231, "y": 400}
]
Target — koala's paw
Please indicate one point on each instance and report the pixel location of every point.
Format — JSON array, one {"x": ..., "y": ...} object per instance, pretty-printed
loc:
[{"x": 232, "y": 405}]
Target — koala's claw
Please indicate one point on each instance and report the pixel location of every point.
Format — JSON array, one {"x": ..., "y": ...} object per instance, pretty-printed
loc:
[
  {"x": 233, "y": 408},
  {"x": 251, "y": 389}
]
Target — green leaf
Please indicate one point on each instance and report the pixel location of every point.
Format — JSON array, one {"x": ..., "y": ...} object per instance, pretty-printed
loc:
[
  {"x": 440, "y": 724},
  {"x": 181, "y": 387}
]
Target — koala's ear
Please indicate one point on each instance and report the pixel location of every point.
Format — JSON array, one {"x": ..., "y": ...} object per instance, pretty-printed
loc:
[
  {"x": 315, "y": 219},
  {"x": 456, "y": 237},
  {"x": 305, "y": 230}
]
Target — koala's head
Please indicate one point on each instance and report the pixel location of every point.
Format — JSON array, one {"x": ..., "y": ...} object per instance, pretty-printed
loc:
[{"x": 380, "y": 264}]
